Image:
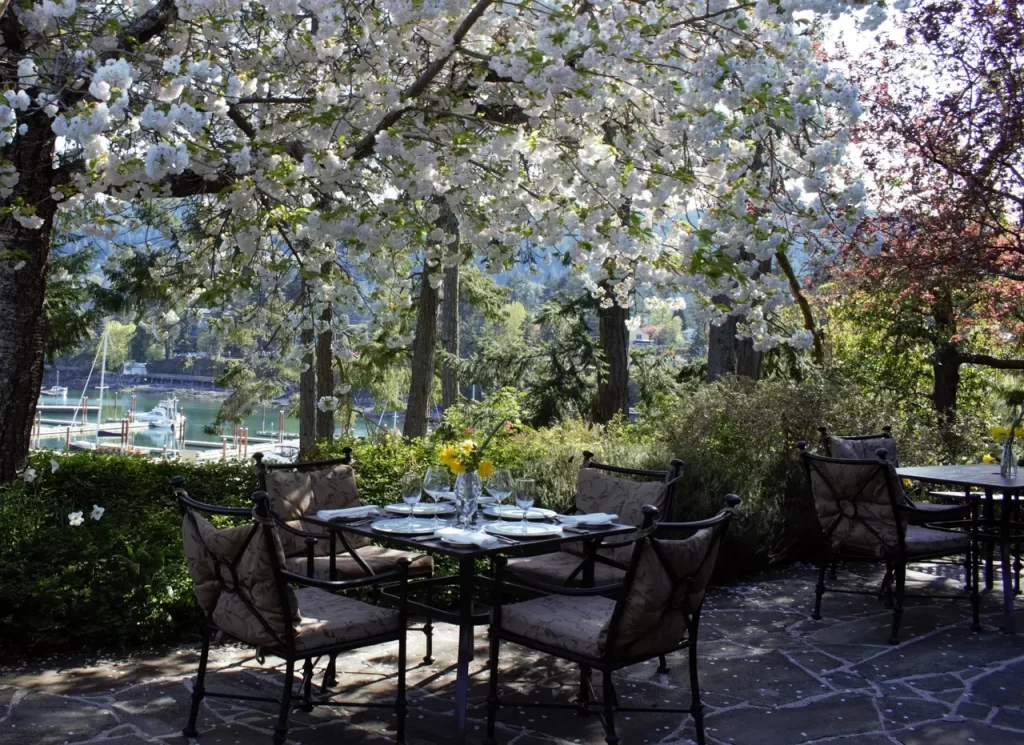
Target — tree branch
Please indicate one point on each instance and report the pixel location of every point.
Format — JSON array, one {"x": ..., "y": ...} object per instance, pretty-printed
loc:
[
  {"x": 988, "y": 360},
  {"x": 364, "y": 147},
  {"x": 191, "y": 184},
  {"x": 805, "y": 307}
]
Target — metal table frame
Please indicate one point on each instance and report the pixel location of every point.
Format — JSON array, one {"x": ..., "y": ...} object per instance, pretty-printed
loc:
[
  {"x": 987, "y": 478},
  {"x": 466, "y": 618}
]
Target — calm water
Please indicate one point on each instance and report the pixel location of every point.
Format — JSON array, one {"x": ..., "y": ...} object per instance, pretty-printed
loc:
[{"x": 198, "y": 413}]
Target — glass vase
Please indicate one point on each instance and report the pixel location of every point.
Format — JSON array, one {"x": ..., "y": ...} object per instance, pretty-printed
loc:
[
  {"x": 468, "y": 489},
  {"x": 1008, "y": 465}
]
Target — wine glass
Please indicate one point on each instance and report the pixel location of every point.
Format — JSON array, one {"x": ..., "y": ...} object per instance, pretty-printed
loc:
[
  {"x": 412, "y": 490},
  {"x": 525, "y": 494},
  {"x": 436, "y": 483},
  {"x": 499, "y": 486}
]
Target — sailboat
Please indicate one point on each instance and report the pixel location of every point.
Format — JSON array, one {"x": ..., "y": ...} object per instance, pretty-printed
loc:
[
  {"x": 86, "y": 444},
  {"x": 57, "y": 389}
]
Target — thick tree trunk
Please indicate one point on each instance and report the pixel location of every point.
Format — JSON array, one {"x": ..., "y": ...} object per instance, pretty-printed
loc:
[
  {"x": 721, "y": 346},
  {"x": 424, "y": 346},
  {"x": 613, "y": 382},
  {"x": 307, "y": 397},
  {"x": 24, "y": 255},
  {"x": 450, "y": 336},
  {"x": 325, "y": 377}
]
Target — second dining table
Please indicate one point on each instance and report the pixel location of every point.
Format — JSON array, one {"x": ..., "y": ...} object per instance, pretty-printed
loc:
[
  {"x": 466, "y": 615},
  {"x": 982, "y": 527}
]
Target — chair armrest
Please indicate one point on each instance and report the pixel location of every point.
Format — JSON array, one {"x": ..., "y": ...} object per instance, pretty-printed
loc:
[
  {"x": 346, "y": 584},
  {"x": 214, "y": 509}
]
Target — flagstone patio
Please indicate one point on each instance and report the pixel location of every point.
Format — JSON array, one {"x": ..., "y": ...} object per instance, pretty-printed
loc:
[{"x": 771, "y": 676}]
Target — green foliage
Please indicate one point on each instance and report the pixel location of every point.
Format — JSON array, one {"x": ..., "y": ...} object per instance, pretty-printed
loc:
[{"x": 117, "y": 581}]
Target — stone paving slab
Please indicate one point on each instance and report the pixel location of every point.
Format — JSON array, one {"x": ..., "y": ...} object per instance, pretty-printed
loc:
[{"x": 770, "y": 675}]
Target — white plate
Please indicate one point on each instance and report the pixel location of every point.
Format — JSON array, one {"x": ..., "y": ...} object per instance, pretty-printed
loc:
[
  {"x": 518, "y": 530},
  {"x": 509, "y": 512},
  {"x": 421, "y": 509},
  {"x": 404, "y": 526}
]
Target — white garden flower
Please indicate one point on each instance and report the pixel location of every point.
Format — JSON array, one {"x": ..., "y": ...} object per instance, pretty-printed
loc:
[
  {"x": 97, "y": 512},
  {"x": 54, "y": 465},
  {"x": 75, "y": 518},
  {"x": 29, "y": 475}
]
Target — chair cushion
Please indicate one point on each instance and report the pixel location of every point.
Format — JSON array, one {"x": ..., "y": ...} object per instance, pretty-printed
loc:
[
  {"x": 866, "y": 449},
  {"x": 597, "y": 491},
  {"x": 656, "y": 611},
  {"x": 334, "y": 488},
  {"x": 572, "y": 623},
  {"x": 209, "y": 552},
  {"x": 854, "y": 503},
  {"x": 326, "y": 619},
  {"x": 555, "y": 568},
  {"x": 378, "y": 558},
  {"x": 291, "y": 493},
  {"x": 922, "y": 541}
]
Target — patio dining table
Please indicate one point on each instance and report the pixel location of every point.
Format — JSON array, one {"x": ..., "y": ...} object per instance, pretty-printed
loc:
[
  {"x": 466, "y": 616},
  {"x": 983, "y": 528}
]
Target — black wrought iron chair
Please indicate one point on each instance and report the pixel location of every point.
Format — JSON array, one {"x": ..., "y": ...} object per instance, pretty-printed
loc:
[
  {"x": 863, "y": 516},
  {"x": 302, "y": 489},
  {"x": 866, "y": 447},
  {"x": 654, "y": 611},
  {"x": 245, "y": 592},
  {"x": 601, "y": 487}
]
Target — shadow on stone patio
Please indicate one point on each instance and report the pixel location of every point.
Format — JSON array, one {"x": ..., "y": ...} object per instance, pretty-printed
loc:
[{"x": 770, "y": 674}]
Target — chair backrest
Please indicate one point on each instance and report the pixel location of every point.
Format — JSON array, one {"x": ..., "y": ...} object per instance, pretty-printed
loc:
[
  {"x": 236, "y": 572},
  {"x": 665, "y": 585},
  {"x": 857, "y": 502},
  {"x": 601, "y": 487},
  {"x": 304, "y": 488},
  {"x": 859, "y": 447}
]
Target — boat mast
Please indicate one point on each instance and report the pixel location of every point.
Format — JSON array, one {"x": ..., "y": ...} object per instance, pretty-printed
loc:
[{"x": 103, "y": 370}]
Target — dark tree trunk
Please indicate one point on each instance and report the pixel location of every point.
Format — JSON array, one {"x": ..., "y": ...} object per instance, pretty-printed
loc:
[
  {"x": 424, "y": 345},
  {"x": 307, "y": 397},
  {"x": 325, "y": 377},
  {"x": 422, "y": 383},
  {"x": 721, "y": 346},
  {"x": 24, "y": 255},
  {"x": 613, "y": 382},
  {"x": 325, "y": 369},
  {"x": 450, "y": 336},
  {"x": 945, "y": 360}
]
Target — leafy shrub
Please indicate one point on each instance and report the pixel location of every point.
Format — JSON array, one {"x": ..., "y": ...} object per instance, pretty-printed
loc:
[{"x": 118, "y": 580}]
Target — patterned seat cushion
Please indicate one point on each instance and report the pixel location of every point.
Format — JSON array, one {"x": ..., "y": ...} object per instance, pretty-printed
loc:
[
  {"x": 922, "y": 541},
  {"x": 597, "y": 491},
  {"x": 555, "y": 568},
  {"x": 326, "y": 619},
  {"x": 575, "y": 624},
  {"x": 378, "y": 558}
]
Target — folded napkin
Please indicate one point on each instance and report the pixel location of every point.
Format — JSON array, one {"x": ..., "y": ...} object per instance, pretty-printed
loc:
[
  {"x": 478, "y": 538},
  {"x": 592, "y": 518},
  {"x": 365, "y": 510}
]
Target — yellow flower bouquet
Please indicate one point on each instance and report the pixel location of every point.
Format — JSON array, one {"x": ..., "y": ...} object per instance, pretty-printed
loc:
[{"x": 467, "y": 456}]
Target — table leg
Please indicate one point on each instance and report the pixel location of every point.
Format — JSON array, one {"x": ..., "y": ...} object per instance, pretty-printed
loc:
[
  {"x": 1009, "y": 613},
  {"x": 975, "y": 550},
  {"x": 467, "y": 568},
  {"x": 990, "y": 546}
]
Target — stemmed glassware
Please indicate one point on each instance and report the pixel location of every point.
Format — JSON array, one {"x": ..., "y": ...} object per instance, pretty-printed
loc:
[
  {"x": 412, "y": 490},
  {"x": 436, "y": 483},
  {"x": 525, "y": 493},
  {"x": 499, "y": 486}
]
